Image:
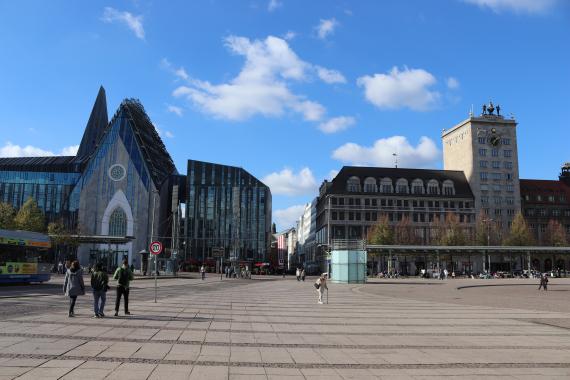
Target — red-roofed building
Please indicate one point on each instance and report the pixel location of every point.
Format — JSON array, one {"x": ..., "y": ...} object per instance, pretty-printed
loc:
[{"x": 546, "y": 200}]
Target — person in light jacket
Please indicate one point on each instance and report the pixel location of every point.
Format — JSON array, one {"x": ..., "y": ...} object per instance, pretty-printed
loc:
[
  {"x": 73, "y": 285},
  {"x": 321, "y": 285}
]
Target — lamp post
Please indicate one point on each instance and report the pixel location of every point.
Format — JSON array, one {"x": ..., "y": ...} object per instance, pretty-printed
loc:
[{"x": 488, "y": 222}]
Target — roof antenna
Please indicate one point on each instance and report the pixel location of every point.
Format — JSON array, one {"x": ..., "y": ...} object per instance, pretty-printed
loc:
[
  {"x": 471, "y": 111},
  {"x": 395, "y": 159}
]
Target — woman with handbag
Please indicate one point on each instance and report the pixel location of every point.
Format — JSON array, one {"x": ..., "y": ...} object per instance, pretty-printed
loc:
[{"x": 73, "y": 285}]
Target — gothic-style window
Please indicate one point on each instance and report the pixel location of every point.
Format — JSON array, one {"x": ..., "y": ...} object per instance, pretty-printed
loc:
[
  {"x": 118, "y": 223},
  {"x": 370, "y": 185},
  {"x": 386, "y": 185},
  {"x": 418, "y": 186},
  {"x": 448, "y": 188},
  {"x": 353, "y": 185},
  {"x": 402, "y": 186},
  {"x": 433, "y": 187}
]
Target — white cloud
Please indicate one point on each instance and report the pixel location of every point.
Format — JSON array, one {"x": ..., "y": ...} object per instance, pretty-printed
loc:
[
  {"x": 326, "y": 27},
  {"x": 396, "y": 89},
  {"x": 12, "y": 150},
  {"x": 425, "y": 154},
  {"x": 289, "y": 35},
  {"x": 452, "y": 83},
  {"x": 261, "y": 87},
  {"x": 517, "y": 6},
  {"x": 285, "y": 218},
  {"x": 134, "y": 23},
  {"x": 70, "y": 150},
  {"x": 286, "y": 182},
  {"x": 330, "y": 76},
  {"x": 337, "y": 124},
  {"x": 332, "y": 174},
  {"x": 169, "y": 134},
  {"x": 180, "y": 72},
  {"x": 273, "y": 5},
  {"x": 174, "y": 109}
]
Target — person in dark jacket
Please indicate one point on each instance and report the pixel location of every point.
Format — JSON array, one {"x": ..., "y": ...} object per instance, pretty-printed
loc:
[
  {"x": 124, "y": 276},
  {"x": 73, "y": 285},
  {"x": 100, "y": 285},
  {"x": 543, "y": 282}
]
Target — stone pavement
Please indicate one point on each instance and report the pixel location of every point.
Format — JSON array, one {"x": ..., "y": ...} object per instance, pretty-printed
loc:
[{"x": 273, "y": 329}]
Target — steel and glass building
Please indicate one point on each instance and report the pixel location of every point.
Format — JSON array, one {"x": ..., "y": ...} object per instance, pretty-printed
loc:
[
  {"x": 122, "y": 185},
  {"x": 227, "y": 209}
]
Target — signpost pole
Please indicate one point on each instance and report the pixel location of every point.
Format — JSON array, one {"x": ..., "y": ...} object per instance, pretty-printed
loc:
[{"x": 155, "y": 249}]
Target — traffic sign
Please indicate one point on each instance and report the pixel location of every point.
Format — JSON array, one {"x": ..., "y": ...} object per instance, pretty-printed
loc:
[
  {"x": 217, "y": 252},
  {"x": 156, "y": 247}
]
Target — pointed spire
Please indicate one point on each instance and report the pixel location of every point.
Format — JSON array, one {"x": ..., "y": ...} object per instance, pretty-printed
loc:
[{"x": 98, "y": 121}]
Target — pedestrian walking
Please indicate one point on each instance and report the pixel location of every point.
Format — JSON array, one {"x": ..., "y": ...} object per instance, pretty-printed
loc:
[
  {"x": 124, "y": 276},
  {"x": 100, "y": 285},
  {"x": 321, "y": 285},
  {"x": 303, "y": 274},
  {"x": 203, "y": 272},
  {"x": 60, "y": 268},
  {"x": 73, "y": 285},
  {"x": 543, "y": 282},
  {"x": 298, "y": 274}
]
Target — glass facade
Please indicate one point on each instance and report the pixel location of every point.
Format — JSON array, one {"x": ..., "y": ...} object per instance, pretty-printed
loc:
[
  {"x": 226, "y": 208},
  {"x": 50, "y": 190}
]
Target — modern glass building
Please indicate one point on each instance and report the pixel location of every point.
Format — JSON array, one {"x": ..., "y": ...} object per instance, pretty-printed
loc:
[
  {"x": 123, "y": 186},
  {"x": 226, "y": 209},
  {"x": 48, "y": 180}
]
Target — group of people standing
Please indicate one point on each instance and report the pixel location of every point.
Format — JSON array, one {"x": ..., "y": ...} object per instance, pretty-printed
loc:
[{"x": 74, "y": 286}]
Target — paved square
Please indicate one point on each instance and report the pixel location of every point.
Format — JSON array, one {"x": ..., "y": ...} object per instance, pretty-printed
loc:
[{"x": 273, "y": 329}]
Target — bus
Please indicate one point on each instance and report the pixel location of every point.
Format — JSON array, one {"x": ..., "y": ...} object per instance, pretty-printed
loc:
[{"x": 24, "y": 257}]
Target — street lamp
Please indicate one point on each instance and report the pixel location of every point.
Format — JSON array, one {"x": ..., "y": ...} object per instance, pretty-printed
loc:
[{"x": 488, "y": 221}]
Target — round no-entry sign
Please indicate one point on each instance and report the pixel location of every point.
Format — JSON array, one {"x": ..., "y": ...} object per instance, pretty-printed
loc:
[{"x": 156, "y": 247}]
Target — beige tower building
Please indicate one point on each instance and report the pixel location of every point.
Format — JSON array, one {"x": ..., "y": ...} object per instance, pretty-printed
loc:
[{"x": 485, "y": 148}]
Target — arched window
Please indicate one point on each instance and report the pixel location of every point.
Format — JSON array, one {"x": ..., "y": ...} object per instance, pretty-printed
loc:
[
  {"x": 448, "y": 188},
  {"x": 118, "y": 223},
  {"x": 370, "y": 185},
  {"x": 353, "y": 185},
  {"x": 386, "y": 185},
  {"x": 402, "y": 186},
  {"x": 433, "y": 187},
  {"x": 417, "y": 186}
]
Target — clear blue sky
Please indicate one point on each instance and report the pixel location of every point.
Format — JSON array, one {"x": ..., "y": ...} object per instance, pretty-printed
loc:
[{"x": 289, "y": 90}]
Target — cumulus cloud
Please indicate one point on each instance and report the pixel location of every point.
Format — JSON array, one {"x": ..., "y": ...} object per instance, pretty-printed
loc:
[
  {"x": 406, "y": 88},
  {"x": 273, "y": 5},
  {"x": 179, "y": 72},
  {"x": 286, "y": 182},
  {"x": 261, "y": 87},
  {"x": 517, "y": 6},
  {"x": 337, "y": 124},
  {"x": 452, "y": 83},
  {"x": 381, "y": 153},
  {"x": 332, "y": 174},
  {"x": 330, "y": 76},
  {"x": 13, "y": 150},
  {"x": 289, "y": 35},
  {"x": 326, "y": 27},
  {"x": 134, "y": 23},
  {"x": 285, "y": 218},
  {"x": 174, "y": 109}
]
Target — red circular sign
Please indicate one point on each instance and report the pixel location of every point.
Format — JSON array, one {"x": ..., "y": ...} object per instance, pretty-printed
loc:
[{"x": 156, "y": 247}]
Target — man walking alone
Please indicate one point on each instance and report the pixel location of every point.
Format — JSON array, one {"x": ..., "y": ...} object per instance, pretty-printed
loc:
[{"x": 124, "y": 276}]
